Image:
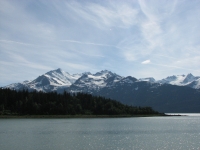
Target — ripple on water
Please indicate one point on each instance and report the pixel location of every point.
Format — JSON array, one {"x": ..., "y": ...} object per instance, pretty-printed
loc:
[{"x": 103, "y": 134}]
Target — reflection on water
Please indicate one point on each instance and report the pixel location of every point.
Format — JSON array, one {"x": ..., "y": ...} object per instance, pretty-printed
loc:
[{"x": 109, "y": 133}]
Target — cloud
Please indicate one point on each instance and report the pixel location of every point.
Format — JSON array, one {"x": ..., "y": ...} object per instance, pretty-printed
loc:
[
  {"x": 99, "y": 35},
  {"x": 164, "y": 56},
  {"x": 121, "y": 14},
  {"x": 163, "y": 65},
  {"x": 87, "y": 43},
  {"x": 103, "y": 15},
  {"x": 129, "y": 56},
  {"x": 15, "y": 42},
  {"x": 146, "y": 62}
]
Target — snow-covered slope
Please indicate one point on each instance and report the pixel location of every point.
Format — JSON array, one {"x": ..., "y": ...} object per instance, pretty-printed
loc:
[
  {"x": 61, "y": 78},
  {"x": 90, "y": 82},
  {"x": 195, "y": 84},
  {"x": 18, "y": 86},
  {"x": 175, "y": 80},
  {"x": 182, "y": 80}
]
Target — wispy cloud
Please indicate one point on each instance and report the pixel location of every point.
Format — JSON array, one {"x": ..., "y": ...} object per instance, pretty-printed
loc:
[
  {"x": 146, "y": 62},
  {"x": 159, "y": 55},
  {"x": 176, "y": 67},
  {"x": 110, "y": 15},
  {"x": 118, "y": 14},
  {"x": 92, "y": 35},
  {"x": 87, "y": 43},
  {"x": 8, "y": 41}
]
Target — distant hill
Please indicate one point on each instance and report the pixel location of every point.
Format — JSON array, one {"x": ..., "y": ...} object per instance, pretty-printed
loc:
[{"x": 163, "y": 98}]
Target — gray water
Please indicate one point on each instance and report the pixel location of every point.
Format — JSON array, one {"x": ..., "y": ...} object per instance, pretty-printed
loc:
[{"x": 146, "y": 133}]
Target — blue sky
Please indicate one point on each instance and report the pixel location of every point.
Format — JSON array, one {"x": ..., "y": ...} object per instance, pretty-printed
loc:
[{"x": 151, "y": 38}]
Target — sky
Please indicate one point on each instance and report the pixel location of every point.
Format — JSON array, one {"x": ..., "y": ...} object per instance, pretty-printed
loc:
[{"x": 139, "y": 38}]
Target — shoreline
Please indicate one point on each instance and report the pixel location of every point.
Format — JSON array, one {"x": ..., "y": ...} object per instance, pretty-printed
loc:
[{"x": 80, "y": 116}]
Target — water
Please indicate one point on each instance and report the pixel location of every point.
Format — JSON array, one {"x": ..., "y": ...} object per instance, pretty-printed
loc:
[{"x": 147, "y": 133}]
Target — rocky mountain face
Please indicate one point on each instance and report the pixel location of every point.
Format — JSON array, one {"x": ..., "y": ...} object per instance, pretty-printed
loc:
[
  {"x": 172, "y": 94},
  {"x": 50, "y": 81}
]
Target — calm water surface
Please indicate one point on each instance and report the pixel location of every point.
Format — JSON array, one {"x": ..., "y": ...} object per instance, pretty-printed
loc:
[{"x": 147, "y": 133}]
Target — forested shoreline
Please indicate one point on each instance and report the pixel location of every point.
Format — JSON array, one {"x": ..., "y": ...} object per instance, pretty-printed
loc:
[{"x": 18, "y": 103}]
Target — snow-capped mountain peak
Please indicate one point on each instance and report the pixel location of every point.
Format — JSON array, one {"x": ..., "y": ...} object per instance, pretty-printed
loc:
[
  {"x": 60, "y": 78},
  {"x": 188, "y": 78},
  {"x": 180, "y": 80},
  {"x": 49, "y": 81},
  {"x": 94, "y": 82},
  {"x": 104, "y": 73},
  {"x": 98, "y": 79}
]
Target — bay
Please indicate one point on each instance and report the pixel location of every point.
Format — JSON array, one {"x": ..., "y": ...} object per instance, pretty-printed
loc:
[{"x": 146, "y": 133}]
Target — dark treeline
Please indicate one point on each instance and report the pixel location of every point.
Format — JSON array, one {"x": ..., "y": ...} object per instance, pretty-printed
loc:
[{"x": 39, "y": 103}]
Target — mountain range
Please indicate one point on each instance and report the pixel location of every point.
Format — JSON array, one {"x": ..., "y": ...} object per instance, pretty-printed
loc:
[{"x": 180, "y": 93}]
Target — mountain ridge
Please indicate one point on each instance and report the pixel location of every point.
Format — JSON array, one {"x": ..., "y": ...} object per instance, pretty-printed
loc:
[
  {"x": 172, "y": 94},
  {"x": 59, "y": 78}
]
